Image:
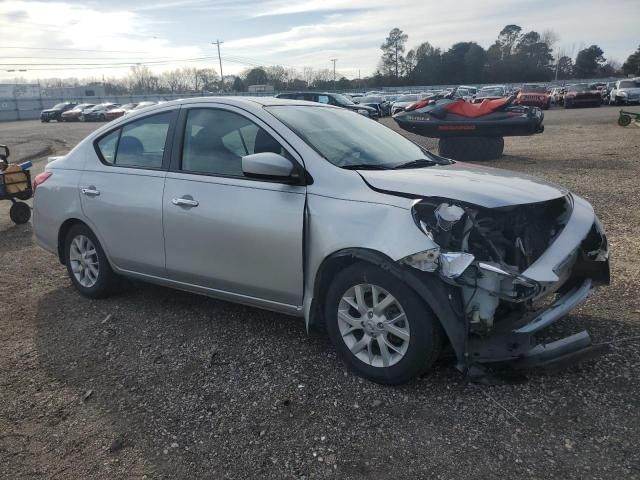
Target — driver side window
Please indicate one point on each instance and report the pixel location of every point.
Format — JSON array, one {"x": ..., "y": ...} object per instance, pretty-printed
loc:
[{"x": 216, "y": 140}]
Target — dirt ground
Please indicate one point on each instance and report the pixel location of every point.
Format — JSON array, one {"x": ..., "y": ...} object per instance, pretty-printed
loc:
[{"x": 156, "y": 383}]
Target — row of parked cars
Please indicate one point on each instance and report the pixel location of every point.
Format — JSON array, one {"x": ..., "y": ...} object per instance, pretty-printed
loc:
[
  {"x": 375, "y": 104},
  {"x": 90, "y": 112}
]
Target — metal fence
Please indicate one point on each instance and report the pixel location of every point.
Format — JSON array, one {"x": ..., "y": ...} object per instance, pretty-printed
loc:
[{"x": 12, "y": 109}]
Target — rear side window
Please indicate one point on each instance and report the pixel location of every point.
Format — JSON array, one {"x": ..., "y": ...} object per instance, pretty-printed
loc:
[{"x": 137, "y": 144}]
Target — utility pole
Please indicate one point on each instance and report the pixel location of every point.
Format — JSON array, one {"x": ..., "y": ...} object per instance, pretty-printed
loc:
[
  {"x": 334, "y": 60},
  {"x": 217, "y": 43}
]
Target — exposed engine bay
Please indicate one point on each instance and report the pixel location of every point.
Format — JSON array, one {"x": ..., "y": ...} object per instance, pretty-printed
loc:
[{"x": 485, "y": 250}]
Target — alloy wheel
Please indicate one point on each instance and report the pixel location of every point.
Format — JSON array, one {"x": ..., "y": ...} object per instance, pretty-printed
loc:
[
  {"x": 373, "y": 325},
  {"x": 84, "y": 260}
]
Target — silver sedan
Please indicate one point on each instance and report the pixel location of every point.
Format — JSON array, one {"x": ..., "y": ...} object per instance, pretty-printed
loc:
[{"x": 317, "y": 212}]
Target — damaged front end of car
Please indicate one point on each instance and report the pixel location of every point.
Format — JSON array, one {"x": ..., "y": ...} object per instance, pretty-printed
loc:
[{"x": 510, "y": 272}]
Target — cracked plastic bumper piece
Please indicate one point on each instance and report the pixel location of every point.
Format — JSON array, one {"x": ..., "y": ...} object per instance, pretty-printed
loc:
[{"x": 559, "y": 309}]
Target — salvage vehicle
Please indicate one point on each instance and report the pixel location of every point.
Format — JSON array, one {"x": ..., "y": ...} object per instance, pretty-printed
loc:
[
  {"x": 625, "y": 92},
  {"x": 470, "y": 131},
  {"x": 335, "y": 99},
  {"x": 55, "y": 112},
  {"x": 533, "y": 95},
  {"x": 490, "y": 93},
  {"x": 581, "y": 94},
  {"x": 556, "y": 96},
  {"x": 404, "y": 101},
  {"x": 120, "y": 111},
  {"x": 98, "y": 112},
  {"x": 317, "y": 212},
  {"x": 73, "y": 115},
  {"x": 375, "y": 101}
]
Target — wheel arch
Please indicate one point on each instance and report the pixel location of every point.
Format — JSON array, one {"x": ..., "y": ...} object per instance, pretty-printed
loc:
[
  {"x": 62, "y": 235},
  {"x": 428, "y": 286}
]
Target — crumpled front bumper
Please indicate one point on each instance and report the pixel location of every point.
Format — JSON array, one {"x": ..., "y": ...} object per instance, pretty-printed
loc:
[{"x": 572, "y": 267}]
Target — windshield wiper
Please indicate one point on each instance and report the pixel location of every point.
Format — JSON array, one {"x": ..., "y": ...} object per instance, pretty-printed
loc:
[
  {"x": 421, "y": 162},
  {"x": 365, "y": 166}
]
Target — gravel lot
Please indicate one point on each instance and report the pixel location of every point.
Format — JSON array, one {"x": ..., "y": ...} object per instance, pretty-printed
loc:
[{"x": 156, "y": 383}]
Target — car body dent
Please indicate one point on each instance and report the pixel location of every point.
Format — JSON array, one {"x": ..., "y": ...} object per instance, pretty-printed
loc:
[{"x": 483, "y": 186}]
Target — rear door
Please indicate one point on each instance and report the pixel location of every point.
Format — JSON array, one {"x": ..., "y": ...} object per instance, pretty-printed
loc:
[
  {"x": 121, "y": 192},
  {"x": 226, "y": 232}
]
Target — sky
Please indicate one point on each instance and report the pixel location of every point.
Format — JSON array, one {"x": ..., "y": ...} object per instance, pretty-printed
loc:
[{"x": 95, "y": 38}]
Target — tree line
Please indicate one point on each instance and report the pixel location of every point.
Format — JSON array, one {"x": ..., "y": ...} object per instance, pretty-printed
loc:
[{"x": 515, "y": 56}]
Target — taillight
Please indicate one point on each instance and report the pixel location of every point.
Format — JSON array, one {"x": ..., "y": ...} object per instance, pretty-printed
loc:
[{"x": 40, "y": 179}]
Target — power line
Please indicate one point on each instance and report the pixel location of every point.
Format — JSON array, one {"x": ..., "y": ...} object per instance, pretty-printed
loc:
[{"x": 74, "y": 49}]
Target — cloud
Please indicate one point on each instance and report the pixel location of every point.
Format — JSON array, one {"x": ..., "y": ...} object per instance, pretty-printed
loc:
[{"x": 294, "y": 32}]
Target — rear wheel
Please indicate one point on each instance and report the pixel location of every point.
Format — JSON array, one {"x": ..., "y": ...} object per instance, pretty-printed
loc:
[
  {"x": 20, "y": 213},
  {"x": 87, "y": 263},
  {"x": 379, "y": 326}
]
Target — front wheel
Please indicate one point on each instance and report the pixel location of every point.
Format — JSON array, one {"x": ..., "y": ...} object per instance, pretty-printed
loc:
[
  {"x": 87, "y": 263},
  {"x": 379, "y": 326}
]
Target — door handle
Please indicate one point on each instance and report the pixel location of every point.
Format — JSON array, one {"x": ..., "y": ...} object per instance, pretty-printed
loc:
[
  {"x": 91, "y": 191},
  {"x": 185, "y": 202}
]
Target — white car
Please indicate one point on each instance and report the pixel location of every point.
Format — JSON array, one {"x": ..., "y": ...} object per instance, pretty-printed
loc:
[{"x": 625, "y": 92}]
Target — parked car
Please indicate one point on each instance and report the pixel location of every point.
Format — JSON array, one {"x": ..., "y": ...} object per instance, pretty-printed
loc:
[
  {"x": 534, "y": 96},
  {"x": 472, "y": 90},
  {"x": 375, "y": 101},
  {"x": 490, "y": 93},
  {"x": 142, "y": 105},
  {"x": 55, "y": 112},
  {"x": 120, "y": 111},
  {"x": 606, "y": 92},
  {"x": 404, "y": 101},
  {"x": 625, "y": 92},
  {"x": 556, "y": 95},
  {"x": 73, "y": 115},
  {"x": 315, "y": 212},
  {"x": 335, "y": 99},
  {"x": 581, "y": 94},
  {"x": 98, "y": 113}
]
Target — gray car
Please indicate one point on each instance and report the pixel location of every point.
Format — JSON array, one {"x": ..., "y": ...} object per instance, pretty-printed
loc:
[{"x": 317, "y": 212}]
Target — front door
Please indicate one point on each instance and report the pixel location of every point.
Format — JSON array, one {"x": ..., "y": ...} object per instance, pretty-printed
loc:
[{"x": 222, "y": 230}]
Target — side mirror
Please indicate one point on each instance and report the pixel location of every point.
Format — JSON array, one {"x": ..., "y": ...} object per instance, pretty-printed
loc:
[{"x": 267, "y": 166}]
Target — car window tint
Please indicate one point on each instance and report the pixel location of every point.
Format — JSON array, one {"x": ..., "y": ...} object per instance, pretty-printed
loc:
[
  {"x": 323, "y": 98},
  {"x": 142, "y": 142},
  {"x": 216, "y": 140},
  {"x": 107, "y": 146}
]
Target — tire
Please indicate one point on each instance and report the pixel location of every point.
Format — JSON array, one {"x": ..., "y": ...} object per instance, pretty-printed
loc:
[
  {"x": 470, "y": 149},
  {"x": 93, "y": 285},
  {"x": 618, "y": 101},
  {"x": 624, "y": 120},
  {"x": 406, "y": 358},
  {"x": 20, "y": 213}
]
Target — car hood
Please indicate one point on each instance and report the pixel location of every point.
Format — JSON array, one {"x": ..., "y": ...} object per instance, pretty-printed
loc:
[
  {"x": 51, "y": 110},
  {"x": 482, "y": 186},
  {"x": 630, "y": 90}
]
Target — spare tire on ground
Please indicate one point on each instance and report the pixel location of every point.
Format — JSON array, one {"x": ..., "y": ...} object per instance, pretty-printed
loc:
[{"x": 471, "y": 149}]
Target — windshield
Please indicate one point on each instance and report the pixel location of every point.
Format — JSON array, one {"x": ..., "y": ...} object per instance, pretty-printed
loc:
[
  {"x": 347, "y": 139},
  {"x": 534, "y": 89},
  {"x": 407, "y": 98},
  {"x": 579, "y": 87},
  {"x": 342, "y": 100},
  {"x": 60, "y": 105},
  {"x": 489, "y": 92},
  {"x": 629, "y": 84}
]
